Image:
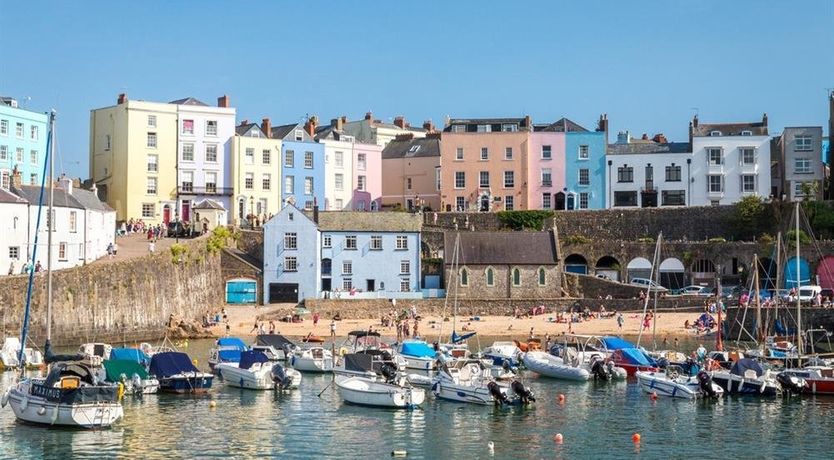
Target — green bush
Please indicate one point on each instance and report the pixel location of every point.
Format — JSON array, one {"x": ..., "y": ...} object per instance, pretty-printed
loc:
[
  {"x": 645, "y": 239},
  {"x": 577, "y": 239},
  {"x": 217, "y": 240},
  {"x": 520, "y": 220},
  {"x": 178, "y": 253},
  {"x": 790, "y": 237},
  {"x": 766, "y": 239}
]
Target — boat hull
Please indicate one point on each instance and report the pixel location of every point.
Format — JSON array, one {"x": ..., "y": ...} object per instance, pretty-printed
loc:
[
  {"x": 305, "y": 364},
  {"x": 186, "y": 384},
  {"x": 632, "y": 369},
  {"x": 465, "y": 393},
  {"x": 682, "y": 388},
  {"x": 33, "y": 409},
  {"x": 422, "y": 363},
  {"x": 260, "y": 379},
  {"x": 737, "y": 385},
  {"x": 366, "y": 392},
  {"x": 553, "y": 367}
]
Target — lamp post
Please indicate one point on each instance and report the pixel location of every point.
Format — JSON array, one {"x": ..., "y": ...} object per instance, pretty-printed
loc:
[{"x": 252, "y": 211}]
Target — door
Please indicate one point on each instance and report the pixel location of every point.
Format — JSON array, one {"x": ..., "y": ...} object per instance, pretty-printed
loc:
[
  {"x": 560, "y": 201},
  {"x": 370, "y": 286},
  {"x": 166, "y": 214},
  {"x": 571, "y": 201},
  {"x": 326, "y": 284},
  {"x": 485, "y": 203},
  {"x": 186, "y": 211},
  {"x": 283, "y": 292},
  {"x": 241, "y": 291}
]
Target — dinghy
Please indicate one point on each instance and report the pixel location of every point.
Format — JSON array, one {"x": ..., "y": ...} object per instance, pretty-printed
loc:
[
  {"x": 255, "y": 372},
  {"x": 675, "y": 384},
  {"x": 550, "y": 366},
  {"x": 10, "y": 352},
  {"x": 371, "y": 392},
  {"x": 501, "y": 352}
]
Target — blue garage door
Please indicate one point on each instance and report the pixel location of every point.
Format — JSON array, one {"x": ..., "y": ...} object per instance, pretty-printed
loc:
[
  {"x": 790, "y": 273},
  {"x": 241, "y": 291}
]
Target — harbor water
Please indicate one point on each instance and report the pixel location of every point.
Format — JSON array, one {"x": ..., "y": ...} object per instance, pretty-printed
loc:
[{"x": 596, "y": 420}]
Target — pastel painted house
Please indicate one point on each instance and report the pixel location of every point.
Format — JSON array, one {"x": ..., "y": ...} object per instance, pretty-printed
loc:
[
  {"x": 585, "y": 165},
  {"x": 22, "y": 142},
  {"x": 411, "y": 173},
  {"x": 302, "y": 167},
  {"x": 291, "y": 257},
  {"x": 546, "y": 172}
]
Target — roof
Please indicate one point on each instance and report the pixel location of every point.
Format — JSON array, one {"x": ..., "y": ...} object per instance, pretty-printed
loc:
[
  {"x": 242, "y": 128},
  {"x": 758, "y": 128},
  {"x": 189, "y": 101},
  {"x": 425, "y": 147},
  {"x": 563, "y": 125},
  {"x": 280, "y": 132},
  {"x": 61, "y": 198},
  {"x": 209, "y": 204},
  {"x": 369, "y": 221},
  {"x": 89, "y": 200},
  {"x": 650, "y": 147},
  {"x": 9, "y": 197},
  {"x": 521, "y": 122},
  {"x": 503, "y": 248}
]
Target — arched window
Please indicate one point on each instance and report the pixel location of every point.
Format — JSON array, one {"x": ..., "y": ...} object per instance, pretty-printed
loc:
[
  {"x": 542, "y": 276},
  {"x": 490, "y": 277},
  {"x": 516, "y": 277},
  {"x": 464, "y": 277}
]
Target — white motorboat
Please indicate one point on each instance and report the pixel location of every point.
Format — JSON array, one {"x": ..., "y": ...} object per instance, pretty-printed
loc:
[
  {"x": 95, "y": 353},
  {"x": 370, "y": 364},
  {"x": 11, "y": 351},
  {"x": 276, "y": 347},
  {"x": 501, "y": 352},
  {"x": 470, "y": 381},
  {"x": 550, "y": 366},
  {"x": 132, "y": 375},
  {"x": 256, "y": 372},
  {"x": 747, "y": 377},
  {"x": 314, "y": 359},
  {"x": 674, "y": 384},
  {"x": 418, "y": 355},
  {"x": 371, "y": 392}
]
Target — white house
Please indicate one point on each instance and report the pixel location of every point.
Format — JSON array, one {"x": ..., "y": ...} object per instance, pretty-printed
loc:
[{"x": 14, "y": 220}]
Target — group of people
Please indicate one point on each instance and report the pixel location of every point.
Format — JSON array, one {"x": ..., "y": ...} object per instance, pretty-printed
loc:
[
  {"x": 132, "y": 226},
  {"x": 261, "y": 330},
  {"x": 26, "y": 268}
]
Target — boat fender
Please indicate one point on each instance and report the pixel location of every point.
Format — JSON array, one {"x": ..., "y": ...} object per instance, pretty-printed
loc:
[
  {"x": 42, "y": 410},
  {"x": 54, "y": 414},
  {"x": 5, "y": 399},
  {"x": 343, "y": 351},
  {"x": 24, "y": 404},
  {"x": 121, "y": 391},
  {"x": 399, "y": 453}
]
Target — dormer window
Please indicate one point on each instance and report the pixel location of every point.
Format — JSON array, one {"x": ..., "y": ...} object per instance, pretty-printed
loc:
[
  {"x": 747, "y": 132},
  {"x": 484, "y": 128},
  {"x": 299, "y": 135},
  {"x": 509, "y": 127},
  {"x": 458, "y": 128},
  {"x": 715, "y": 133}
]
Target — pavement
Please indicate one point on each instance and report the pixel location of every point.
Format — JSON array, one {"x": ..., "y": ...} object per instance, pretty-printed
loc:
[{"x": 136, "y": 245}]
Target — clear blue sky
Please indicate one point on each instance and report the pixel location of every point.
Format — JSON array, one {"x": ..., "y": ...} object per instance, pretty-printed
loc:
[{"x": 648, "y": 64}]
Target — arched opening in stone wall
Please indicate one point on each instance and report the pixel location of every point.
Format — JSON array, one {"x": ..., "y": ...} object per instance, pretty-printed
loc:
[
  {"x": 791, "y": 273},
  {"x": 767, "y": 273},
  {"x": 576, "y": 263},
  {"x": 609, "y": 267},
  {"x": 825, "y": 272},
  {"x": 703, "y": 272},
  {"x": 639, "y": 267},
  {"x": 672, "y": 273}
]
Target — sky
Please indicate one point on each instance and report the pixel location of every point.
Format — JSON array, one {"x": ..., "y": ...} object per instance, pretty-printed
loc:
[{"x": 650, "y": 65}]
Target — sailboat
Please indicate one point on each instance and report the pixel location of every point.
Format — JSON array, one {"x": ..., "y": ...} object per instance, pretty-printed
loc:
[{"x": 71, "y": 395}]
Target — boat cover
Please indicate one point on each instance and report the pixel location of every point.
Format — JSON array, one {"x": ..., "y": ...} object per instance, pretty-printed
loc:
[
  {"x": 231, "y": 342},
  {"x": 744, "y": 364},
  {"x": 417, "y": 350},
  {"x": 83, "y": 394},
  {"x": 359, "y": 362},
  {"x": 229, "y": 355},
  {"x": 131, "y": 354},
  {"x": 249, "y": 357},
  {"x": 635, "y": 356},
  {"x": 116, "y": 367},
  {"x": 49, "y": 357},
  {"x": 273, "y": 340},
  {"x": 171, "y": 363},
  {"x": 359, "y": 334},
  {"x": 616, "y": 343},
  {"x": 460, "y": 338}
]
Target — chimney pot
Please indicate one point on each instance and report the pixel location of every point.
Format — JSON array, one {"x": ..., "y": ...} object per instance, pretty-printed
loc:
[
  {"x": 16, "y": 178},
  {"x": 369, "y": 116},
  {"x": 400, "y": 121},
  {"x": 645, "y": 137},
  {"x": 344, "y": 119},
  {"x": 266, "y": 127},
  {"x": 528, "y": 122},
  {"x": 122, "y": 98},
  {"x": 311, "y": 124},
  {"x": 223, "y": 101},
  {"x": 336, "y": 124},
  {"x": 428, "y": 126}
]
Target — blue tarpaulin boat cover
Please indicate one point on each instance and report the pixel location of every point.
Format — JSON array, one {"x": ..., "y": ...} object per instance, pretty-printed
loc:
[
  {"x": 616, "y": 343},
  {"x": 130, "y": 354},
  {"x": 744, "y": 364},
  {"x": 249, "y": 357},
  {"x": 231, "y": 342},
  {"x": 171, "y": 363},
  {"x": 229, "y": 355},
  {"x": 230, "y": 349},
  {"x": 417, "y": 350},
  {"x": 636, "y": 356},
  {"x": 460, "y": 338}
]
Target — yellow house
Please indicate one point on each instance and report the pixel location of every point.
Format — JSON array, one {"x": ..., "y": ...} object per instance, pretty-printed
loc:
[
  {"x": 256, "y": 173},
  {"x": 133, "y": 158}
]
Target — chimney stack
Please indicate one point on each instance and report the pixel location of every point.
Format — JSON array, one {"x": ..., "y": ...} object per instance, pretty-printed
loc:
[
  {"x": 404, "y": 137},
  {"x": 65, "y": 183},
  {"x": 344, "y": 119},
  {"x": 311, "y": 124},
  {"x": 122, "y": 98},
  {"x": 315, "y": 211},
  {"x": 369, "y": 116},
  {"x": 337, "y": 124},
  {"x": 223, "y": 101},
  {"x": 16, "y": 179},
  {"x": 695, "y": 121},
  {"x": 266, "y": 127},
  {"x": 645, "y": 137},
  {"x": 764, "y": 119},
  {"x": 400, "y": 121},
  {"x": 428, "y": 126},
  {"x": 660, "y": 138},
  {"x": 528, "y": 122}
]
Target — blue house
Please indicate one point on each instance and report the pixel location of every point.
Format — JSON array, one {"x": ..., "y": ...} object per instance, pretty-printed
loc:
[
  {"x": 291, "y": 257},
  {"x": 302, "y": 166},
  {"x": 22, "y": 143},
  {"x": 585, "y": 165}
]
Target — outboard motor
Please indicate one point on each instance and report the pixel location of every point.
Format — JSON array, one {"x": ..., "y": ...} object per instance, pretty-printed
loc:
[
  {"x": 280, "y": 379},
  {"x": 495, "y": 391},
  {"x": 524, "y": 394},
  {"x": 600, "y": 370},
  {"x": 705, "y": 383},
  {"x": 389, "y": 371},
  {"x": 790, "y": 384},
  {"x": 662, "y": 362},
  {"x": 136, "y": 381}
]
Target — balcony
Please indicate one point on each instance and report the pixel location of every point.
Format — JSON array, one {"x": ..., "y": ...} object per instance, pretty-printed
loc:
[{"x": 188, "y": 189}]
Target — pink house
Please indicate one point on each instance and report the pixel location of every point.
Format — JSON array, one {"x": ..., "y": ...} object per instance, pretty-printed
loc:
[
  {"x": 367, "y": 177},
  {"x": 546, "y": 174}
]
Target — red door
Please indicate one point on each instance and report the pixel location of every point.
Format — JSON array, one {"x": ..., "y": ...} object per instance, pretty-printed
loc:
[
  {"x": 186, "y": 211},
  {"x": 166, "y": 214}
]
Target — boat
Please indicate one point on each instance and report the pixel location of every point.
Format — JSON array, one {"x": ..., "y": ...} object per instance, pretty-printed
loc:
[
  {"x": 371, "y": 392},
  {"x": 276, "y": 347},
  {"x": 310, "y": 338},
  {"x": 177, "y": 374},
  {"x": 131, "y": 354},
  {"x": 32, "y": 358},
  {"x": 131, "y": 375},
  {"x": 256, "y": 372},
  {"x": 818, "y": 380},
  {"x": 469, "y": 380},
  {"x": 747, "y": 377},
  {"x": 591, "y": 353},
  {"x": 228, "y": 350},
  {"x": 501, "y": 352},
  {"x": 367, "y": 363},
  {"x": 95, "y": 353},
  {"x": 418, "y": 355},
  {"x": 550, "y": 366},
  {"x": 314, "y": 359},
  {"x": 674, "y": 383}
]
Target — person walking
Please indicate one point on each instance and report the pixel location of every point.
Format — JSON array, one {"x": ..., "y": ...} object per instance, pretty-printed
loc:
[
  {"x": 332, "y": 328},
  {"x": 315, "y": 319},
  {"x": 620, "y": 321}
]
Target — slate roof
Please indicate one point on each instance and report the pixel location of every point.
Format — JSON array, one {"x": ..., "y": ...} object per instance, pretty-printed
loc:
[
  {"x": 428, "y": 147},
  {"x": 189, "y": 101},
  {"x": 649, "y": 147},
  {"x": 89, "y": 200},
  {"x": 472, "y": 122},
  {"x": 730, "y": 129},
  {"x": 31, "y": 193},
  {"x": 335, "y": 221},
  {"x": 280, "y": 132},
  {"x": 209, "y": 204},
  {"x": 9, "y": 197},
  {"x": 329, "y": 132},
  {"x": 563, "y": 125},
  {"x": 502, "y": 248},
  {"x": 242, "y": 129}
]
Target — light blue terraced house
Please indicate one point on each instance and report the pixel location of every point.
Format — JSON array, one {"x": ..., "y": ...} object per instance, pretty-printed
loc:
[
  {"x": 302, "y": 167},
  {"x": 22, "y": 143},
  {"x": 291, "y": 257},
  {"x": 585, "y": 166}
]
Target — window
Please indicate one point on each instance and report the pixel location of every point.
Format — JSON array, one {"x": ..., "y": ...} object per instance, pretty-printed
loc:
[
  {"x": 18, "y": 130},
  {"x": 211, "y": 128},
  {"x": 4, "y": 127},
  {"x": 715, "y": 183},
  {"x": 339, "y": 181},
  {"x": 62, "y": 251},
  {"x": 747, "y": 132},
  {"x": 187, "y": 181},
  {"x": 715, "y": 133},
  {"x": 211, "y": 182},
  {"x": 188, "y": 126},
  {"x": 148, "y": 210},
  {"x": 33, "y": 179},
  {"x": 19, "y": 154},
  {"x": 151, "y": 186},
  {"x": 625, "y": 173},
  {"x": 339, "y": 159},
  {"x": 802, "y": 143},
  {"x": 437, "y": 176},
  {"x": 289, "y": 159},
  {"x": 266, "y": 182},
  {"x": 308, "y": 185},
  {"x": 33, "y": 157},
  {"x": 509, "y": 127},
  {"x": 339, "y": 204},
  {"x": 327, "y": 241},
  {"x": 584, "y": 153},
  {"x": 299, "y": 134},
  {"x": 748, "y": 183},
  {"x": 187, "y": 152},
  {"x": 405, "y": 284},
  {"x": 14, "y": 252},
  {"x": 73, "y": 221},
  {"x": 360, "y": 183},
  {"x": 546, "y": 203},
  {"x": 459, "y": 153},
  {"x": 509, "y": 179},
  {"x": 583, "y": 200},
  {"x": 290, "y": 241},
  {"x": 402, "y": 242},
  {"x": 547, "y": 152},
  {"x": 289, "y": 184},
  {"x": 290, "y": 216},
  {"x": 347, "y": 267},
  {"x": 106, "y": 142},
  {"x": 542, "y": 276},
  {"x": 347, "y": 284},
  {"x": 584, "y": 177},
  {"x": 802, "y": 166},
  {"x": 484, "y": 153},
  {"x": 249, "y": 157},
  {"x": 484, "y": 128},
  {"x": 308, "y": 160},
  {"x": 290, "y": 264},
  {"x": 673, "y": 173},
  {"x": 714, "y": 157},
  {"x": 249, "y": 181},
  {"x": 4, "y": 152},
  {"x": 509, "y": 203},
  {"x": 5, "y": 179},
  {"x": 50, "y": 217},
  {"x": 460, "y": 179},
  {"x": 460, "y": 203},
  {"x": 151, "y": 121},
  {"x": 673, "y": 198},
  {"x": 33, "y": 132},
  {"x": 508, "y": 153},
  {"x": 376, "y": 242},
  {"x": 797, "y": 189},
  {"x": 490, "y": 277},
  {"x": 405, "y": 267},
  {"x": 459, "y": 128},
  {"x": 211, "y": 153},
  {"x": 747, "y": 156},
  {"x": 361, "y": 161},
  {"x": 483, "y": 179},
  {"x": 625, "y": 198},
  {"x": 464, "y": 277},
  {"x": 414, "y": 149},
  {"x": 153, "y": 163},
  {"x": 547, "y": 177},
  {"x": 266, "y": 156},
  {"x": 350, "y": 242},
  {"x": 516, "y": 277}
]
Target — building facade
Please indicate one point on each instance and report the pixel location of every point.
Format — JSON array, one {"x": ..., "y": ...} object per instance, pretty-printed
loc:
[
  {"x": 302, "y": 167},
  {"x": 256, "y": 173},
  {"x": 801, "y": 159},
  {"x": 23, "y": 136},
  {"x": 546, "y": 176},
  {"x": 14, "y": 225},
  {"x": 411, "y": 173},
  {"x": 371, "y": 131},
  {"x": 291, "y": 257},
  {"x": 585, "y": 165}
]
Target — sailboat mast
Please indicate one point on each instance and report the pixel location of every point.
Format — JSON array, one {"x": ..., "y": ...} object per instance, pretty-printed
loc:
[
  {"x": 51, "y": 220},
  {"x": 649, "y": 290},
  {"x": 656, "y": 293},
  {"x": 759, "y": 329},
  {"x": 798, "y": 282}
]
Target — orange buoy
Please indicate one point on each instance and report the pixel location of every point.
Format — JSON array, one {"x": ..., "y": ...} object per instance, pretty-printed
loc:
[
  {"x": 635, "y": 438},
  {"x": 558, "y": 438},
  {"x": 654, "y": 396},
  {"x": 561, "y": 398}
]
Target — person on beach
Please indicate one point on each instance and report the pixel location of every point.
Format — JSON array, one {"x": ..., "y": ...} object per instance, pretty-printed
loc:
[
  {"x": 701, "y": 353},
  {"x": 228, "y": 329},
  {"x": 405, "y": 330},
  {"x": 271, "y": 327},
  {"x": 315, "y": 319},
  {"x": 223, "y": 312},
  {"x": 620, "y": 321},
  {"x": 332, "y": 328},
  {"x": 532, "y": 336},
  {"x": 254, "y": 327},
  {"x": 415, "y": 327}
]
